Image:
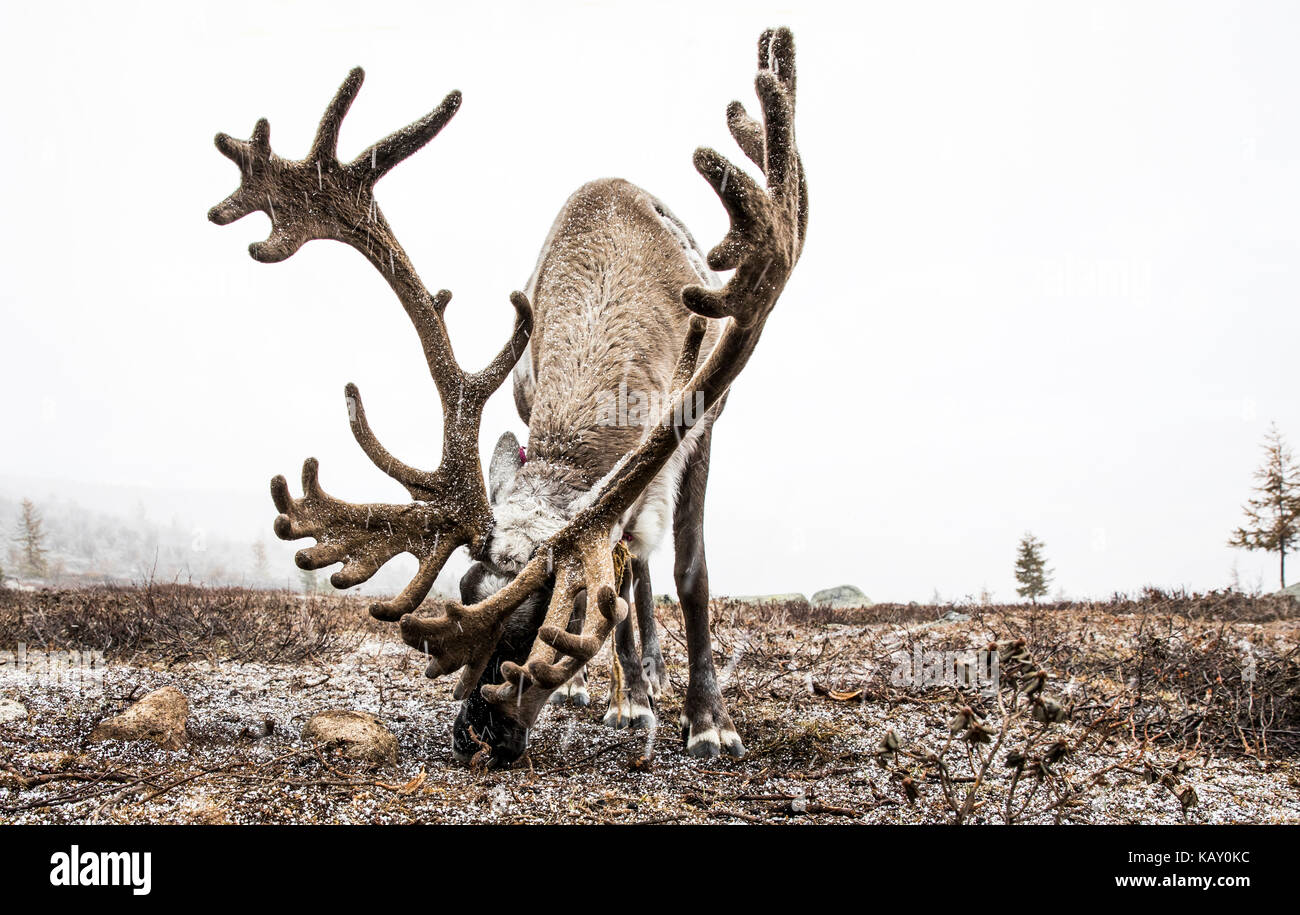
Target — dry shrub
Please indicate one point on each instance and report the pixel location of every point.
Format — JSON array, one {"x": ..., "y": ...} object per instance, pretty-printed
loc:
[
  {"x": 1210, "y": 684},
  {"x": 175, "y": 622},
  {"x": 733, "y": 612},
  {"x": 1219, "y": 670},
  {"x": 1179, "y": 670},
  {"x": 1231, "y": 606}
]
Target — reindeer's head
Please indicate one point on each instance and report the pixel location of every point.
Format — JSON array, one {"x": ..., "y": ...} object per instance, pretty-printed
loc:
[
  {"x": 481, "y": 725},
  {"x": 531, "y": 503},
  {"x": 547, "y": 553}
]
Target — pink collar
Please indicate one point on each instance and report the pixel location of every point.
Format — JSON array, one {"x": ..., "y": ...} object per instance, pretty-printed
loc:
[{"x": 523, "y": 455}]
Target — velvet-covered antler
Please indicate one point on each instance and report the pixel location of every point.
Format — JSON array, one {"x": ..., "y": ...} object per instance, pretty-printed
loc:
[
  {"x": 321, "y": 197},
  {"x": 762, "y": 246}
]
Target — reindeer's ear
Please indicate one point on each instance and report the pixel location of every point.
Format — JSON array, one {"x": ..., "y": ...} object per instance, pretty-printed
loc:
[{"x": 506, "y": 461}]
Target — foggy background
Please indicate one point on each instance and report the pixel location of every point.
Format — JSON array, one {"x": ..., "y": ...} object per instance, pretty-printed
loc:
[{"x": 1050, "y": 280}]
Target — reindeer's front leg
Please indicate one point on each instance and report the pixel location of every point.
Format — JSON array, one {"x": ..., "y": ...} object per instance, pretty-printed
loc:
[
  {"x": 706, "y": 725},
  {"x": 652, "y": 657},
  {"x": 629, "y": 694}
]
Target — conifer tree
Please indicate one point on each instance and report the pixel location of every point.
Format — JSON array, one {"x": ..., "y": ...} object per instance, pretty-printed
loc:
[
  {"x": 1273, "y": 513},
  {"x": 261, "y": 566},
  {"x": 1031, "y": 568},
  {"x": 30, "y": 538}
]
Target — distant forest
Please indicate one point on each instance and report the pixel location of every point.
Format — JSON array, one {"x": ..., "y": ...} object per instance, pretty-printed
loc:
[{"x": 87, "y": 546}]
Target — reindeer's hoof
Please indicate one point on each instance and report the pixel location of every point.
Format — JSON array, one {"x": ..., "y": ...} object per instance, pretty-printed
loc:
[
  {"x": 731, "y": 743},
  {"x": 704, "y": 745},
  {"x": 707, "y": 741},
  {"x": 571, "y": 694},
  {"x": 629, "y": 714}
]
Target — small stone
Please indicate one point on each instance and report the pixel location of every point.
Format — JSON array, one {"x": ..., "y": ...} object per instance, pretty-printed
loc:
[
  {"x": 159, "y": 716},
  {"x": 354, "y": 734},
  {"x": 11, "y": 711},
  {"x": 52, "y": 760}
]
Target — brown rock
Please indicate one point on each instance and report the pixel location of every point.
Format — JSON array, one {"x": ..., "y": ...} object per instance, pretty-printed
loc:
[
  {"x": 159, "y": 716},
  {"x": 11, "y": 711},
  {"x": 354, "y": 734}
]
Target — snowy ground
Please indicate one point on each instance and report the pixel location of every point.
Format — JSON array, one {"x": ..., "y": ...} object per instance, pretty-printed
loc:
[{"x": 811, "y": 700}]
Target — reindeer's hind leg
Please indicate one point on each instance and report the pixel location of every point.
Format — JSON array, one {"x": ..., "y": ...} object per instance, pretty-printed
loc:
[
  {"x": 706, "y": 726},
  {"x": 652, "y": 657},
  {"x": 629, "y": 697}
]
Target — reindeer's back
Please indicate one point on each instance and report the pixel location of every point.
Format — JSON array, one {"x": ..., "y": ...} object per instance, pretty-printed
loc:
[{"x": 607, "y": 312}]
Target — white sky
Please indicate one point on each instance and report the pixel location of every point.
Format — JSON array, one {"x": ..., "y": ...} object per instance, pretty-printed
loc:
[{"x": 1050, "y": 283}]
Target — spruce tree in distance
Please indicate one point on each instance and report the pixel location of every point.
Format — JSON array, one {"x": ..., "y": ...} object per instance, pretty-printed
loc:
[
  {"x": 261, "y": 566},
  {"x": 1031, "y": 568},
  {"x": 1273, "y": 513},
  {"x": 31, "y": 540}
]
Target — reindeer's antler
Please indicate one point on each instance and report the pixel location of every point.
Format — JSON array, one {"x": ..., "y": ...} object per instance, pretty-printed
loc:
[
  {"x": 320, "y": 197},
  {"x": 762, "y": 246}
]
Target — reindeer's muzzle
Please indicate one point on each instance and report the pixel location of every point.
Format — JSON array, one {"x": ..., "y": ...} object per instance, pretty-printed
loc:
[{"x": 481, "y": 728}]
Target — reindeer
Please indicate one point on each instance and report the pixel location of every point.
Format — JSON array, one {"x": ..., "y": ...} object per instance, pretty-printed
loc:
[{"x": 621, "y": 299}]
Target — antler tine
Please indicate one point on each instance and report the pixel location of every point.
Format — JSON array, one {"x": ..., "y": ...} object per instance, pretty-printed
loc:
[
  {"x": 345, "y": 532},
  {"x": 781, "y": 65},
  {"x": 419, "y": 586},
  {"x": 401, "y": 144},
  {"x": 574, "y": 651},
  {"x": 457, "y": 636},
  {"x": 775, "y": 87},
  {"x": 743, "y": 199},
  {"x": 690, "y": 355},
  {"x": 747, "y": 133},
  {"x": 495, "y": 372},
  {"x": 420, "y": 484},
  {"x": 325, "y": 146},
  {"x": 318, "y": 197}
]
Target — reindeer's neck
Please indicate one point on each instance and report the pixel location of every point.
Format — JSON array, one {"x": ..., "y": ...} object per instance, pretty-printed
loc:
[{"x": 608, "y": 327}]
